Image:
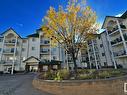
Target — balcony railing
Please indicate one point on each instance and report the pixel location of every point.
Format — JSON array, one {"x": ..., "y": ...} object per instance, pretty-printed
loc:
[
  {"x": 120, "y": 53},
  {"x": 10, "y": 41},
  {"x": 9, "y": 62},
  {"x": 45, "y": 42},
  {"x": 117, "y": 40},
  {"x": 92, "y": 58},
  {"x": 116, "y": 28},
  {"x": 2, "y": 62},
  {"x": 89, "y": 42},
  {"x": 90, "y": 50},
  {"x": 44, "y": 52},
  {"x": 125, "y": 36},
  {"x": 9, "y": 50}
]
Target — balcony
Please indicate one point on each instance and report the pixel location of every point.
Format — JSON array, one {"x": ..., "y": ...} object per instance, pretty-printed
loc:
[
  {"x": 92, "y": 58},
  {"x": 10, "y": 62},
  {"x": 8, "y": 51},
  {"x": 2, "y": 62},
  {"x": 125, "y": 37},
  {"x": 44, "y": 52},
  {"x": 89, "y": 42},
  {"x": 121, "y": 53},
  {"x": 115, "y": 29},
  {"x": 90, "y": 50},
  {"x": 94, "y": 42},
  {"x": 45, "y": 42},
  {"x": 10, "y": 42},
  {"x": 117, "y": 41}
]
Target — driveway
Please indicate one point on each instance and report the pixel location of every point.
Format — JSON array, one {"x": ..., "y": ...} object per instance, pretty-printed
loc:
[{"x": 18, "y": 85}]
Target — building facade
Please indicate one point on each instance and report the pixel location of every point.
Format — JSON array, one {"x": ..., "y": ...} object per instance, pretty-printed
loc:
[
  {"x": 17, "y": 52},
  {"x": 117, "y": 37},
  {"x": 107, "y": 49}
]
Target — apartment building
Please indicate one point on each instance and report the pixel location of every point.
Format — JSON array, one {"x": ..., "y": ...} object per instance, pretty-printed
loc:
[
  {"x": 117, "y": 37},
  {"x": 35, "y": 51},
  {"x": 107, "y": 49},
  {"x": 28, "y": 53},
  {"x": 98, "y": 52}
]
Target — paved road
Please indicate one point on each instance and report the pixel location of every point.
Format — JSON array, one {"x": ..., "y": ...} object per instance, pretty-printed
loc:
[{"x": 18, "y": 85}]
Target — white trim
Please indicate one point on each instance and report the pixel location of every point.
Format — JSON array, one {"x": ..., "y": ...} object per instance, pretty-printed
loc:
[
  {"x": 89, "y": 55},
  {"x": 12, "y": 69},
  {"x": 94, "y": 55},
  {"x": 124, "y": 43},
  {"x": 110, "y": 47}
]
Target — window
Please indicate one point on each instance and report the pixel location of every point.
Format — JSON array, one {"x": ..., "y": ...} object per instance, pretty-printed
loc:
[
  {"x": 103, "y": 54},
  {"x": 55, "y": 67},
  {"x": 13, "y": 40},
  {"x": 54, "y": 58},
  {"x": 105, "y": 63},
  {"x": 99, "y": 37},
  {"x": 24, "y": 41},
  {"x": 44, "y": 50},
  {"x": 11, "y": 58},
  {"x": 23, "y": 49},
  {"x": 97, "y": 56},
  {"x": 45, "y": 68},
  {"x": 54, "y": 49},
  {"x": 33, "y": 48},
  {"x": 33, "y": 39},
  {"x": 46, "y": 42},
  {"x": 1, "y": 40},
  {"x": 12, "y": 50},
  {"x": 101, "y": 45},
  {"x": 23, "y": 58}
]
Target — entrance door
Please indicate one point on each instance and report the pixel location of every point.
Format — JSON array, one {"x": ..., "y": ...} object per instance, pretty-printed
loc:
[{"x": 31, "y": 67}]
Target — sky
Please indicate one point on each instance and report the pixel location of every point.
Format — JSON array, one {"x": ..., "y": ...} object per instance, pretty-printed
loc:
[{"x": 25, "y": 16}]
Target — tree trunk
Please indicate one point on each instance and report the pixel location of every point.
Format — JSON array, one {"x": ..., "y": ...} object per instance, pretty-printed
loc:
[{"x": 75, "y": 65}]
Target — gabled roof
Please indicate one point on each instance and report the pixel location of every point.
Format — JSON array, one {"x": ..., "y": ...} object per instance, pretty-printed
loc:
[
  {"x": 33, "y": 35},
  {"x": 12, "y": 30},
  {"x": 122, "y": 17},
  {"x": 107, "y": 18},
  {"x": 30, "y": 58},
  {"x": 40, "y": 29}
]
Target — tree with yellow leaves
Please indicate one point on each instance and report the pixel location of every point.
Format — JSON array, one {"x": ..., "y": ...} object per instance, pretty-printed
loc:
[{"x": 71, "y": 28}]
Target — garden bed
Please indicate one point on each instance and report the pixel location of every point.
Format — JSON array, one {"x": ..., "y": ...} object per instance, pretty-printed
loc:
[{"x": 82, "y": 74}]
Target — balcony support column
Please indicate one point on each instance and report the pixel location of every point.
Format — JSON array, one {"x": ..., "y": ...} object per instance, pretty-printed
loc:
[
  {"x": 13, "y": 63},
  {"x": 50, "y": 55},
  {"x": 94, "y": 55},
  {"x": 89, "y": 56},
  {"x": 2, "y": 49},
  {"x": 121, "y": 34},
  {"x": 110, "y": 47}
]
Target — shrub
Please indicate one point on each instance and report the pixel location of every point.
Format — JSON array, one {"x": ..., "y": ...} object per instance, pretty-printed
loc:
[
  {"x": 84, "y": 76},
  {"x": 64, "y": 74},
  {"x": 116, "y": 73},
  {"x": 58, "y": 76},
  {"x": 47, "y": 75},
  {"x": 104, "y": 74},
  {"x": 86, "y": 71}
]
